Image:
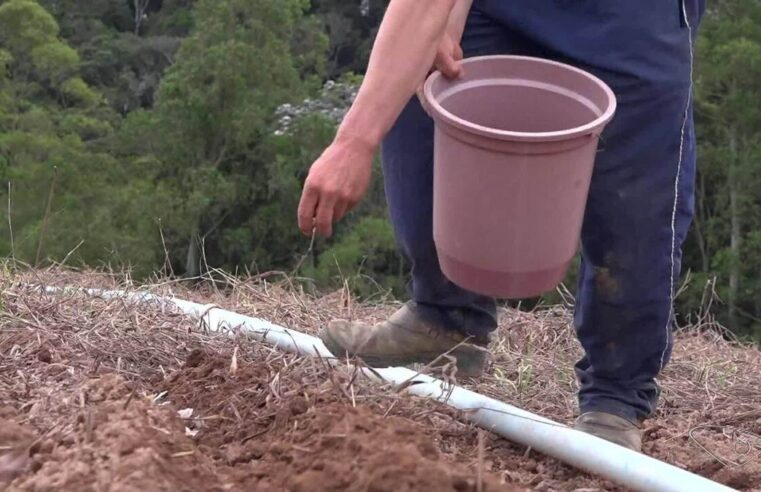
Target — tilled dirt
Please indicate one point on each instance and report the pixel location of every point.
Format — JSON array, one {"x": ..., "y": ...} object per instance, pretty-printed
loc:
[
  {"x": 112, "y": 445},
  {"x": 307, "y": 438},
  {"x": 117, "y": 441},
  {"x": 263, "y": 422},
  {"x": 104, "y": 395}
]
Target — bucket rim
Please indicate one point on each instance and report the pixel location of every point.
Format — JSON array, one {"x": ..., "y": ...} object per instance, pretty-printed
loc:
[{"x": 437, "y": 111}]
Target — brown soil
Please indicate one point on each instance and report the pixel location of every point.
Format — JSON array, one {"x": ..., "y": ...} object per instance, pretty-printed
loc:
[
  {"x": 117, "y": 441},
  {"x": 96, "y": 396},
  {"x": 105, "y": 395},
  {"x": 301, "y": 438}
]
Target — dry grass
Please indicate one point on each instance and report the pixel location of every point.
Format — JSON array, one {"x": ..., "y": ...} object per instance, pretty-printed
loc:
[
  {"x": 60, "y": 352},
  {"x": 709, "y": 421}
]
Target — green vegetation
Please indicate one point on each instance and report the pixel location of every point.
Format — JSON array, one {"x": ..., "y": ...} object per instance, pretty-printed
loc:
[{"x": 174, "y": 135}]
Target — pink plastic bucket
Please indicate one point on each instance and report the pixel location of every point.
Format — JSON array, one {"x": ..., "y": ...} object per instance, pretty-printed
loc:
[{"x": 515, "y": 145}]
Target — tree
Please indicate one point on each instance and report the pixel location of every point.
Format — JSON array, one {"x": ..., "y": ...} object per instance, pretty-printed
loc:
[
  {"x": 724, "y": 242},
  {"x": 351, "y": 27},
  {"x": 214, "y": 113},
  {"x": 139, "y": 8},
  {"x": 66, "y": 190},
  {"x": 124, "y": 66}
]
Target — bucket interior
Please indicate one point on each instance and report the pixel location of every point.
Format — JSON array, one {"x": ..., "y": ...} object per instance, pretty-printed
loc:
[
  {"x": 518, "y": 108},
  {"x": 523, "y": 96}
]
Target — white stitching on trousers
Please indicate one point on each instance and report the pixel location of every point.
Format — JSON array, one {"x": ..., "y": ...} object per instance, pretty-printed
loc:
[{"x": 676, "y": 193}]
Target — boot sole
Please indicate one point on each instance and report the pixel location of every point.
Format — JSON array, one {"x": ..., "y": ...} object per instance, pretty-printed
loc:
[{"x": 471, "y": 360}]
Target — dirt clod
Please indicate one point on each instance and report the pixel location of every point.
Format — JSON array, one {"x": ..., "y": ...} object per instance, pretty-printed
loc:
[
  {"x": 44, "y": 355},
  {"x": 194, "y": 358},
  {"x": 15, "y": 443}
]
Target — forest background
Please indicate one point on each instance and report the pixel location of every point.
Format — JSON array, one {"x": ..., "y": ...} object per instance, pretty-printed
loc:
[{"x": 173, "y": 136}]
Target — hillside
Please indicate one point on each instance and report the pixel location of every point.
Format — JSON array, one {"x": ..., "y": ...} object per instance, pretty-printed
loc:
[{"x": 96, "y": 392}]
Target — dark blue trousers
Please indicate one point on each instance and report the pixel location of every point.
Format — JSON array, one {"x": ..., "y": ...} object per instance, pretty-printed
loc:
[{"x": 641, "y": 197}]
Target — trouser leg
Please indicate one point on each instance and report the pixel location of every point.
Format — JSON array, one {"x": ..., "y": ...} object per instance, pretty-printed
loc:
[
  {"x": 641, "y": 196},
  {"x": 407, "y": 156}
]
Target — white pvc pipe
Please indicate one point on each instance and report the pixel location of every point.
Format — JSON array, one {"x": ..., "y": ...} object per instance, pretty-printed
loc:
[{"x": 626, "y": 467}]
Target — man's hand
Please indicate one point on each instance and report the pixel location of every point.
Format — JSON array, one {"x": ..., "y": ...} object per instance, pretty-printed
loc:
[
  {"x": 449, "y": 57},
  {"x": 337, "y": 181},
  {"x": 402, "y": 54},
  {"x": 448, "y": 61}
]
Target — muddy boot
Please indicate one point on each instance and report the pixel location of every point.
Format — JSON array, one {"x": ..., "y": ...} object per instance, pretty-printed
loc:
[
  {"x": 612, "y": 428},
  {"x": 405, "y": 339}
]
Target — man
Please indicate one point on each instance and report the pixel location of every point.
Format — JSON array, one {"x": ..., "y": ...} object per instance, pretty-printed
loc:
[{"x": 638, "y": 213}]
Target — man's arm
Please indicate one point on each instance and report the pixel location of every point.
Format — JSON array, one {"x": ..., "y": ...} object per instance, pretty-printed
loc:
[
  {"x": 404, "y": 50},
  {"x": 458, "y": 18}
]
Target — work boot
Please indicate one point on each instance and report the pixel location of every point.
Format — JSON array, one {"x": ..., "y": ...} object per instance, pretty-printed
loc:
[
  {"x": 612, "y": 428},
  {"x": 404, "y": 339}
]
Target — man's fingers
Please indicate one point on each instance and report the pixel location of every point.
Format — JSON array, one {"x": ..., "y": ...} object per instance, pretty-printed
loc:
[
  {"x": 340, "y": 210},
  {"x": 450, "y": 67},
  {"x": 307, "y": 207},
  {"x": 324, "y": 216},
  {"x": 458, "y": 54}
]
